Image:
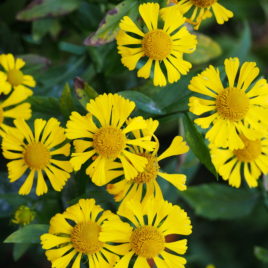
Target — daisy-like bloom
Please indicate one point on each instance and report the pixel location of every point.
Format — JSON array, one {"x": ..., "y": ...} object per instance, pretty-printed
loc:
[
  {"x": 23, "y": 215},
  {"x": 74, "y": 235},
  {"x": 128, "y": 189},
  {"x": 38, "y": 153},
  {"x": 103, "y": 136},
  {"x": 13, "y": 108},
  {"x": 240, "y": 107},
  {"x": 147, "y": 237},
  {"x": 198, "y": 10},
  {"x": 12, "y": 76},
  {"x": 157, "y": 45},
  {"x": 247, "y": 163}
]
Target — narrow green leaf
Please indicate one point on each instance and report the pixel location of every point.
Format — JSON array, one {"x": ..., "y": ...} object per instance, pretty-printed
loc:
[
  {"x": 197, "y": 144},
  {"x": 43, "y": 8},
  {"x": 216, "y": 201},
  {"x": 66, "y": 101},
  {"x": 19, "y": 250},
  {"x": 28, "y": 234},
  {"x": 142, "y": 101},
  {"x": 261, "y": 254},
  {"x": 242, "y": 47}
]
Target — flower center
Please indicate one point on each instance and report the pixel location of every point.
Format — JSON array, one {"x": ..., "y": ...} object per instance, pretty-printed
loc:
[
  {"x": 250, "y": 152},
  {"x": 147, "y": 241},
  {"x": 36, "y": 155},
  {"x": 85, "y": 237},
  {"x": 203, "y": 3},
  {"x": 15, "y": 77},
  {"x": 232, "y": 104},
  {"x": 151, "y": 170},
  {"x": 1, "y": 115},
  {"x": 109, "y": 142},
  {"x": 157, "y": 44}
]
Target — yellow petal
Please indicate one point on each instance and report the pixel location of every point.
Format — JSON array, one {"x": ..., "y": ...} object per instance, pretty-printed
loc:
[
  {"x": 149, "y": 13},
  {"x": 159, "y": 78},
  {"x": 178, "y": 180},
  {"x": 27, "y": 185},
  {"x": 177, "y": 147}
]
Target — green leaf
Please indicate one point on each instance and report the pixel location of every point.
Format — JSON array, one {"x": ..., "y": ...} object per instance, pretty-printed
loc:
[
  {"x": 19, "y": 250},
  {"x": 28, "y": 234},
  {"x": 207, "y": 49},
  {"x": 34, "y": 63},
  {"x": 109, "y": 26},
  {"x": 216, "y": 201},
  {"x": 43, "y": 8},
  {"x": 143, "y": 102},
  {"x": 43, "y": 26},
  {"x": 261, "y": 254},
  {"x": 196, "y": 142},
  {"x": 242, "y": 47},
  {"x": 66, "y": 101},
  {"x": 46, "y": 105}
]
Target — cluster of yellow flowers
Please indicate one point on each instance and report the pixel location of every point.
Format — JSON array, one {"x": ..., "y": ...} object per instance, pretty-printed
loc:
[{"x": 121, "y": 152}]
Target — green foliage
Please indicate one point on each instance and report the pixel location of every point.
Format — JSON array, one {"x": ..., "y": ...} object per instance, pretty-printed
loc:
[
  {"x": 197, "y": 144},
  {"x": 207, "y": 49},
  {"x": 45, "y": 8},
  {"x": 216, "y": 201},
  {"x": 28, "y": 234},
  {"x": 108, "y": 27},
  {"x": 261, "y": 254},
  {"x": 143, "y": 102}
]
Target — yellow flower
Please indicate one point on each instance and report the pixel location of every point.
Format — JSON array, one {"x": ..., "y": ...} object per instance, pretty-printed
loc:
[
  {"x": 13, "y": 77},
  {"x": 247, "y": 163},
  {"x": 102, "y": 136},
  {"x": 35, "y": 154},
  {"x": 198, "y": 10},
  {"x": 128, "y": 189},
  {"x": 23, "y": 215},
  {"x": 146, "y": 238},
  {"x": 12, "y": 108},
  {"x": 240, "y": 107},
  {"x": 156, "y": 45},
  {"x": 75, "y": 233}
]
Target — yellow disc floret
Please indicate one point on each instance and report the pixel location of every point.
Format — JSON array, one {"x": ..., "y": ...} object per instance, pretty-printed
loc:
[
  {"x": 147, "y": 241},
  {"x": 250, "y": 152},
  {"x": 15, "y": 77},
  {"x": 232, "y": 104},
  {"x": 85, "y": 237},
  {"x": 151, "y": 169},
  {"x": 36, "y": 155},
  {"x": 109, "y": 142},
  {"x": 203, "y": 3},
  {"x": 157, "y": 45}
]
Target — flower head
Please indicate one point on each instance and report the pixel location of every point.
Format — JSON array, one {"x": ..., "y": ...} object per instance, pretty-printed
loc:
[
  {"x": 157, "y": 45},
  {"x": 198, "y": 10},
  {"x": 75, "y": 234},
  {"x": 128, "y": 189},
  {"x": 145, "y": 236},
  {"x": 240, "y": 107},
  {"x": 102, "y": 135},
  {"x": 248, "y": 162},
  {"x": 23, "y": 215},
  {"x": 35, "y": 154},
  {"x": 12, "y": 76},
  {"x": 13, "y": 108}
]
